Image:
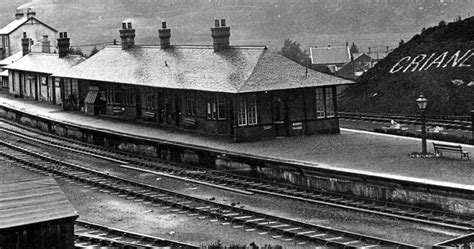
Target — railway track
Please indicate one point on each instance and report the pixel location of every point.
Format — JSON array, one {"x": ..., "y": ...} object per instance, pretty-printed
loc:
[
  {"x": 247, "y": 185},
  {"x": 90, "y": 235},
  {"x": 448, "y": 122},
  {"x": 277, "y": 227}
]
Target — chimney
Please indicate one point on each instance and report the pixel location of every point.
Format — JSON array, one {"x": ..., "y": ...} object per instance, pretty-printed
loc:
[
  {"x": 30, "y": 13},
  {"x": 19, "y": 14},
  {"x": 63, "y": 44},
  {"x": 370, "y": 51},
  {"x": 165, "y": 35},
  {"x": 127, "y": 35},
  {"x": 25, "y": 44},
  {"x": 45, "y": 45},
  {"x": 329, "y": 46},
  {"x": 221, "y": 35}
]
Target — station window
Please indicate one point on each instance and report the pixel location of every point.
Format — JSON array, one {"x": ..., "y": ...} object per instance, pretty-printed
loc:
[
  {"x": 114, "y": 96},
  {"x": 329, "y": 103},
  {"x": 320, "y": 108},
  {"x": 325, "y": 103},
  {"x": 130, "y": 97},
  {"x": 190, "y": 99},
  {"x": 221, "y": 107},
  {"x": 150, "y": 100},
  {"x": 247, "y": 110},
  {"x": 242, "y": 113}
]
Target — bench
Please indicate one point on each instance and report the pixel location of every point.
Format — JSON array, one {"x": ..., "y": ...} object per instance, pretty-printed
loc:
[
  {"x": 148, "y": 115},
  {"x": 116, "y": 110},
  {"x": 189, "y": 122},
  {"x": 439, "y": 148}
]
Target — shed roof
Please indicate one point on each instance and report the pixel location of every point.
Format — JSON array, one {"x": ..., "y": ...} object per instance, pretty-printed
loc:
[
  {"x": 32, "y": 201},
  {"x": 15, "y": 24},
  {"x": 44, "y": 63},
  {"x": 232, "y": 70},
  {"x": 330, "y": 55}
]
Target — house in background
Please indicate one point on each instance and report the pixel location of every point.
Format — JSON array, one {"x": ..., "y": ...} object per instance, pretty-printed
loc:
[
  {"x": 360, "y": 63},
  {"x": 245, "y": 92},
  {"x": 11, "y": 34},
  {"x": 329, "y": 59}
]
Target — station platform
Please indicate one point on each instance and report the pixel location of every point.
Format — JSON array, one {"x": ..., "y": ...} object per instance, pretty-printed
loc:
[{"x": 352, "y": 151}]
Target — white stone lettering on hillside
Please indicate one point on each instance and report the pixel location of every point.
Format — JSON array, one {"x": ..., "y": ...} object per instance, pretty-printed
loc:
[{"x": 423, "y": 62}]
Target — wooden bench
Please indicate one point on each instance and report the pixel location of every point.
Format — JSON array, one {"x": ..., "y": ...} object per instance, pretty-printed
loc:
[
  {"x": 116, "y": 110},
  {"x": 439, "y": 148},
  {"x": 189, "y": 122},
  {"x": 149, "y": 115}
]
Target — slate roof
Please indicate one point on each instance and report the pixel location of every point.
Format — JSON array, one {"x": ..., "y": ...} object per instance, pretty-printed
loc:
[
  {"x": 233, "y": 70},
  {"x": 44, "y": 63},
  {"x": 377, "y": 55},
  {"x": 11, "y": 59},
  {"x": 330, "y": 55},
  {"x": 33, "y": 201},
  {"x": 4, "y": 73},
  {"x": 15, "y": 24}
]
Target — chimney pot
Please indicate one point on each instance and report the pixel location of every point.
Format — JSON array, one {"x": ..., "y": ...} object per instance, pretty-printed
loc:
[
  {"x": 19, "y": 14},
  {"x": 127, "y": 35},
  {"x": 220, "y": 35},
  {"x": 25, "y": 44},
  {"x": 164, "y": 34},
  {"x": 63, "y": 44}
]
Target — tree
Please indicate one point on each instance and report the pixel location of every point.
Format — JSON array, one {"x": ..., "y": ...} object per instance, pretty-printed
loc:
[
  {"x": 354, "y": 49},
  {"x": 291, "y": 50},
  {"x": 94, "y": 51},
  {"x": 401, "y": 43},
  {"x": 77, "y": 51}
]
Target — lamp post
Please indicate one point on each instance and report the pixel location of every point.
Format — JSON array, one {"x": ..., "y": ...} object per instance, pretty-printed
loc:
[{"x": 422, "y": 101}]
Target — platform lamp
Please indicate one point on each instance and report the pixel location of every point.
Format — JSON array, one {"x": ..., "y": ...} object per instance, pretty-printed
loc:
[{"x": 422, "y": 102}]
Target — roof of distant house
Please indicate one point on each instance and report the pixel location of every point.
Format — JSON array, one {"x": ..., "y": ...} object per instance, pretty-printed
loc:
[
  {"x": 30, "y": 201},
  {"x": 44, "y": 63},
  {"x": 232, "y": 70},
  {"x": 15, "y": 24},
  {"x": 330, "y": 55},
  {"x": 378, "y": 55}
]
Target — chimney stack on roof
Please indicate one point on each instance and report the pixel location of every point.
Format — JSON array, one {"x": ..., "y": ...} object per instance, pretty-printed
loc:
[
  {"x": 30, "y": 13},
  {"x": 19, "y": 14},
  {"x": 127, "y": 35},
  {"x": 164, "y": 34},
  {"x": 25, "y": 44},
  {"x": 45, "y": 45},
  {"x": 220, "y": 34},
  {"x": 63, "y": 44}
]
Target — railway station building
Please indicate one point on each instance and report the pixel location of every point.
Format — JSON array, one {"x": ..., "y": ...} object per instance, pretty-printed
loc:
[
  {"x": 35, "y": 213},
  {"x": 246, "y": 92}
]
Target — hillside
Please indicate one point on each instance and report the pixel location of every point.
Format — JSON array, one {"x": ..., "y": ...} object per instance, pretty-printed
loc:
[
  {"x": 437, "y": 62},
  {"x": 257, "y": 22}
]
